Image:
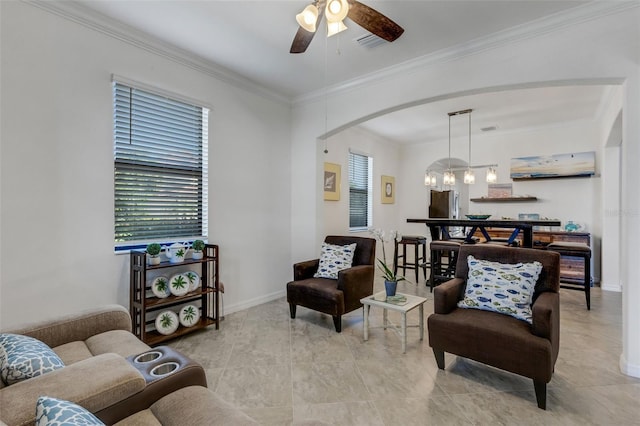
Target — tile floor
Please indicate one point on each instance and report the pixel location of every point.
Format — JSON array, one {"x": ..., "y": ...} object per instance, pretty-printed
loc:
[{"x": 282, "y": 371}]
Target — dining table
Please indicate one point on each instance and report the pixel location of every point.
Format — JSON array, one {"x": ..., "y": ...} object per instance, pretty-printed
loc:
[{"x": 439, "y": 227}]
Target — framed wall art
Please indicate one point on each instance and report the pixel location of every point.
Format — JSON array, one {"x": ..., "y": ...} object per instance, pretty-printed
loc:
[
  {"x": 331, "y": 182},
  {"x": 388, "y": 189},
  {"x": 554, "y": 166},
  {"x": 500, "y": 190}
]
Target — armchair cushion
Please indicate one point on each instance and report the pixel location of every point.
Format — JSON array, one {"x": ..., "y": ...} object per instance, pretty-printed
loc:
[
  {"x": 58, "y": 412},
  {"x": 334, "y": 258},
  {"x": 500, "y": 287},
  {"x": 23, "y": 357},
  {"x": 494, "y": 339}
]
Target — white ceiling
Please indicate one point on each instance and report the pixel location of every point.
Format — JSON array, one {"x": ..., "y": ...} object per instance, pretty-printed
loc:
[
  {"x": 508, "y": 111},
  {"x": 252, "y": 39}
]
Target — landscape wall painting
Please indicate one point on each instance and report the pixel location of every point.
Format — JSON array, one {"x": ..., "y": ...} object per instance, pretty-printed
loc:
[{"x": 554, "y": 166}]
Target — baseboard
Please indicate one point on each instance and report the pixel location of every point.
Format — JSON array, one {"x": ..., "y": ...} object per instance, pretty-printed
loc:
[
  {"x": 611, "y": 287},
  {"x": 629, "y": 369},
  {"x": 246, "y": 304}
]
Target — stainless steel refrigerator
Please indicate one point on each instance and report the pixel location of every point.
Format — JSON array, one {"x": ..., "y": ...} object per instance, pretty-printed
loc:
[{"x": 444, "y": 204}]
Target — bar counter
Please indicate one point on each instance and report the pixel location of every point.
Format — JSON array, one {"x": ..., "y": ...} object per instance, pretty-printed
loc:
[{"x": 438, "y": 227}]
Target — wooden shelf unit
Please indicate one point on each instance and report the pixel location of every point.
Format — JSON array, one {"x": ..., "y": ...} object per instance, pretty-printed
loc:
[
  {"x": 141, "y": 304},
  {"x": 571, "y": 268},
  {"x": 503, "y": 199}
]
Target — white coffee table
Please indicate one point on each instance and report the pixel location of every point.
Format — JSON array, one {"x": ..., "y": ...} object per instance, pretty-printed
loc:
[{"x": 379, "y": 300}]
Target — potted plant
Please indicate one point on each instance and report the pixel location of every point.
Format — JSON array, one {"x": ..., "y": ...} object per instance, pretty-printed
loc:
[
  {"x": 390, "y": 278},
  {"x": 197, "y": 246},
  {"x": 153, "y": 252}
]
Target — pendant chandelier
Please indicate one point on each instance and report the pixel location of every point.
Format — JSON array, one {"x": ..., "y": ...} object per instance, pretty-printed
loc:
[
  {"x": 449, "y": 177},
  {"x": 469, "y": 175},
  {"x": 492, "y": 176},
  {"x": 430, "y": 179}
]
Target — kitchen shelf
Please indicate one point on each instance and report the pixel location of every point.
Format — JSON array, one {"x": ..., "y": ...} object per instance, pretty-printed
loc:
[{"x": 503, "y": 199}]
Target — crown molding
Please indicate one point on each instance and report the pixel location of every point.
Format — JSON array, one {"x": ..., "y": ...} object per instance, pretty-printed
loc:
[
  {"x": 96, "y": 21},
  {"x": 80, "y": 14},
  {"x": 556, "y": 22}
]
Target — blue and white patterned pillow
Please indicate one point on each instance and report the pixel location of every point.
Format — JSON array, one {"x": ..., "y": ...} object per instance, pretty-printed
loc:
[
  {"x": 334, "y": 258},
  {"x": 23, "y": 357},
  {"x": 57, "y": 412},
  {"x": 500, "y": 287}
]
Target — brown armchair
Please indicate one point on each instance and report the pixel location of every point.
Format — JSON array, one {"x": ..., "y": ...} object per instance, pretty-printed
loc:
[
  {"x": 334, "y": 297},
  {"x": 499, "y": 340}
]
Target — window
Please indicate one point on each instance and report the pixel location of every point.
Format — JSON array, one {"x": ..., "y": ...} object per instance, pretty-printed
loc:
[
  {"x": 360, "y": 191},
  {"x": 160, "y": 168}
]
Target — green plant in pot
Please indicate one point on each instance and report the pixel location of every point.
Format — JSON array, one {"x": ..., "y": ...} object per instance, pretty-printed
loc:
[
  {"x": 153, "y": 252},
  {"x": 390, "y": 278},
  {"x": 197, "y": 247}
]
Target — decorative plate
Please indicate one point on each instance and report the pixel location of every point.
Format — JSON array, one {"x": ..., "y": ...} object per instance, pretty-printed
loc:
[
  {"x": 160, "y": 287},
  {"x": 179, "y": 285},
  {"x": 194, "y": 280},
  {"x": 189, "y": 315},
  {"x": 478, "y": 216},
  {"x": 167, "y": 322}
]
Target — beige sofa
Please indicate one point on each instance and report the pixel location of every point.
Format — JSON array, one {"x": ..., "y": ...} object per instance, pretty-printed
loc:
[{"x": 94, "y": 347}]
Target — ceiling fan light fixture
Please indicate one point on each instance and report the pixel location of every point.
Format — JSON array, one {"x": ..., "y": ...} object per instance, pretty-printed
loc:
[
  {"x": 334, "y": 28},
  {"x": 308, "y": 17},
  {"x": 336, "y": 10}
]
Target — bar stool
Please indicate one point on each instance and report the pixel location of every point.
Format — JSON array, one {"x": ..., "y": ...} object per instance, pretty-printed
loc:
[
  {"x": 419, "y": 260},
  {"x": 583, "y": 251},
  {"x": 440, "y": 270}
]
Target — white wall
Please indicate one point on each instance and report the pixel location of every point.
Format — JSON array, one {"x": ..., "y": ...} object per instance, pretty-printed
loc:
[
  {"x": 57, "y": 170},
  {"x": 56, "y": 165},
  {"x": 563, "y": 199},
  {"x": 599, "y": 50},
  {"x": 611, "y": 136},
  {"x": 385, "y": 162},
  {"x": 566, "y": 199}
]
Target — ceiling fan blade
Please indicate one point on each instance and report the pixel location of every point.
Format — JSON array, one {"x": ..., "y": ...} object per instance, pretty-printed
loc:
[
  {"x": 301, "y": 41},
  {"x": 303, "y": 37},
  {"x": 374, "y": 21}
]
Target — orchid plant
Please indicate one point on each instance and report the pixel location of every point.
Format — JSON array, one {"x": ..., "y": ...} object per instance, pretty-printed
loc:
[{"x": 387, "y": 272}]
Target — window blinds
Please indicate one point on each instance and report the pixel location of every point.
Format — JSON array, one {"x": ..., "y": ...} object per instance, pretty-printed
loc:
[
  {"x": 160, "y": 163},
  {"x": 358, "y": 190}
]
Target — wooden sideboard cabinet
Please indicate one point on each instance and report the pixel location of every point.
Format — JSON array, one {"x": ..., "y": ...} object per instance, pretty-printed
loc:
[{"x": 571, "y": 268}]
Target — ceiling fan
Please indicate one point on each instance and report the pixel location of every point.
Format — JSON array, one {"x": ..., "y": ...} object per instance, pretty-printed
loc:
[{"x": 335, "y": 11}]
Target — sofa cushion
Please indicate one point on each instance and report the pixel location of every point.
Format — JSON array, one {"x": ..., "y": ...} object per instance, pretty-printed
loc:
[
  {"x": 183, "y": 407},
  {"x": 73, "y": 352},
  {"x": 57, "y": 412},
  {"x": 501, "y": 287},
  {"x": 333, "y": 259},
  {"x": 95, "y": 383},
  {"x": 120, "y": 342},
  {"x": 191, "y": 405},
  {"x": 23, "y": 357},
  {"x": 143, "y": 417}
]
